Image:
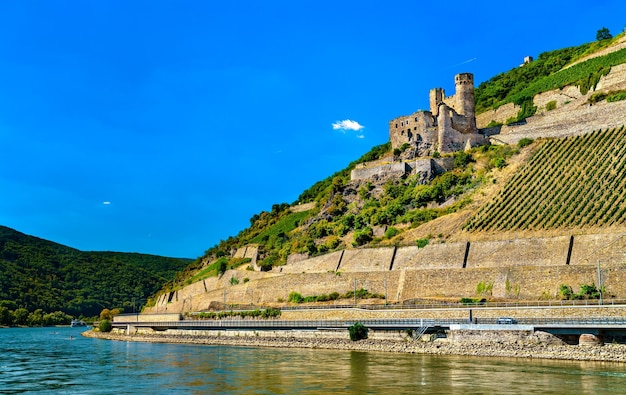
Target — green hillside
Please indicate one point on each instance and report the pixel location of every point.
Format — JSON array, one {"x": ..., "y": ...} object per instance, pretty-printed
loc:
[
  {"x": 350, "y": 214},
  {"x": 547, "y": 72},
  {"x": 573, "y": 182},
  {"x": 39, "y": 274}
]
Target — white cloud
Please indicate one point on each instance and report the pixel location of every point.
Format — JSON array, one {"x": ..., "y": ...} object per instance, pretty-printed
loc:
[
  {"x": 360, "y": 136},
  {"x": 347, "y": 124},
  {"x": 106, "y": 203}
]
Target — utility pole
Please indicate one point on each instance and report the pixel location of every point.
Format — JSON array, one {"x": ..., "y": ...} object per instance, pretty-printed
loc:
[
  {"x": 385, "y": 282},
  {"x": 600, "y": 282},
  {"x": 355, "y": 292}
]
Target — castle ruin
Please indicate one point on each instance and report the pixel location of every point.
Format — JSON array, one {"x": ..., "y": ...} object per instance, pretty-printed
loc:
[{"x": 449, "y": 126}]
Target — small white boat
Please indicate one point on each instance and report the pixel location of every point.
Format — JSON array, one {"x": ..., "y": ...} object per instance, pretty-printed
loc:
[{"x": 76, "y": 322}]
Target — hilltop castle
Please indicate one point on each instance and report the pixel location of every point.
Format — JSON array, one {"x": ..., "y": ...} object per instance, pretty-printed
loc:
[{"x": 449, "y": 126}]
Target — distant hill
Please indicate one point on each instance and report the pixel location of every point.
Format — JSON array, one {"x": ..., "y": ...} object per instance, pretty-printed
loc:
[{"x": 40, "y": 274}]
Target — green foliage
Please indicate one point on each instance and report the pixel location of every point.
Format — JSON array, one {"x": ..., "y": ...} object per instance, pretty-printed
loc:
[
  {"x": 107, "y": 314},
  {"x": 267, "y": 313},
  {"x": 472, "y": 301},
  {"x": 524, "y": 142},
  {"x": 484, "y": 288},
  {"x": 421, "y": 243},
  {"x": 234, "y": 280},
  {"x": 222, "y": 266},
  {"x": 498, "y": 162},
  {"x": 436, "y": 154},
  {"x": 565, "y": 292},
  {"x": 391, "y": 232},
  {"x": 358, "y": 331},
  {"x": 603, "y": 34},
  {"x": 295, "y": 297},
  {"x": 105, "y": 326},
  {"x": 38, "y": 274},
  {"x": 462, "y": 159},
  {"x": 363, "y": 236},
  {"x": 279, "y": 227},
  {"x": 614, "y": 96},
  {"x": 551, "y": 105},
  {"x": 587, "y": 291},
  {"x": 361, "y": 293},
  {"x": 519, "y": 85}
]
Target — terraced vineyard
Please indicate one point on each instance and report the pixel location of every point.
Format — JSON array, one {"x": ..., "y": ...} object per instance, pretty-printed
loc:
[{"x": 579, "y": 181}]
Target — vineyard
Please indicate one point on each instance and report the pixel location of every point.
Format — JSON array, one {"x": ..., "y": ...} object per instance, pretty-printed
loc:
[{"x": 577, "y": 182}]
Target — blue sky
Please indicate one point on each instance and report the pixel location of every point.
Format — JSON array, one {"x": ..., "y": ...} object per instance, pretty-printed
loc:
[{"x": 161, "y": 127}]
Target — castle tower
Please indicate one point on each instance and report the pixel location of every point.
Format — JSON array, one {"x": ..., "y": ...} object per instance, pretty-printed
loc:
[
  {"x": 436, "y": 98},
  {"x": 464, "y": 84},
  {"x": 464, "y": 96}
]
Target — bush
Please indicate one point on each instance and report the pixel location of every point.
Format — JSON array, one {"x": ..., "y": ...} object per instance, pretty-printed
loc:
[
  {"x": 551, "y": 105},
  {"x": 295, "y": 297},
  {"x": 363, "y": 236},
  {"x": 462, "y": 159},
  {"x": 421, "y": 243},
  {"x": 391, "y": 232},
  {"x": 105, "y": 326},
  {"x": 616, "y": 96},
  {"x": 358, "y": 331},
  {"x": 524, "y": 142}
]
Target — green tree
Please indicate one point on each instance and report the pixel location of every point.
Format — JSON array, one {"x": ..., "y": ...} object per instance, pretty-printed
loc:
[
  {"x": 358, "y": 331},
  {"x": 20, "y": 316},
  {"x": 603, "y": 34},
  {"x": 105, "y": 326},
  {"x": 6, "y": 318}
]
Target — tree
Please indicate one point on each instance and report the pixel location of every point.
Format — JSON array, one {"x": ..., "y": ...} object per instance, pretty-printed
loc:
[
  {"x": 357, "y": 331},
  {"x": 105, "y": 326},
  {"x": 603, "y": 34}
]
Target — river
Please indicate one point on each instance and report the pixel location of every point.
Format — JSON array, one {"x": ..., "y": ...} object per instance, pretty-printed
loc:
[{"x": 61, "y": 361}]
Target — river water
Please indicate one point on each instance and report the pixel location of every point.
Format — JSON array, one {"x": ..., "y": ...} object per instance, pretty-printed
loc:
[{"x": 61, "y": 361}]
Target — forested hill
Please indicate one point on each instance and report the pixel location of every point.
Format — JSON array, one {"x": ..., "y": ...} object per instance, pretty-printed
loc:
[{"x": 40, "y": 274}]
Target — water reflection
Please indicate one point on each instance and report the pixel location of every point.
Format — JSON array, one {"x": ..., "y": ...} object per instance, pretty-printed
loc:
[{"x": 40, "y": 361}]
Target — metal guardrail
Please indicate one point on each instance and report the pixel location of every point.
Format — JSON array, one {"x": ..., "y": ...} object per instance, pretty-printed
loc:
[
  {"x": 391, "y": 324},
  {"x": 451, "y": 305}
]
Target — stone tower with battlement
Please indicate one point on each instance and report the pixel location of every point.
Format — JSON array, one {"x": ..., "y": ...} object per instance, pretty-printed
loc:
[{"x": 449, "y": 126}]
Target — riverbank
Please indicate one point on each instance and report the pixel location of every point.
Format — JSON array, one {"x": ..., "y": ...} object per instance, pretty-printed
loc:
[{"x": 538, "y": 345}]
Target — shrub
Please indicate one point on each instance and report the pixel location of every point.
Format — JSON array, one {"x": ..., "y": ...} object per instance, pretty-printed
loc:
[
  {"x": 551, "y": 105},
  {"x": 358, "y": 331},
  {"x": 596, "y": 97},
  {"x": 234, "y": 280},
  {"x": 616, "y": 96},
  {"x": 498, "y": 162},
  {"x": 565, "y": 292},
  {"x": 391, "y": 232},
  {"x": 421, "y": 243},
  {"x": 524, "y": 142},
  {"x": 105, "y": 326},
  {"x": 462, "y": 159},
  {"x": 363, "y": 236},
  {"x": 295, "y": 297}
]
